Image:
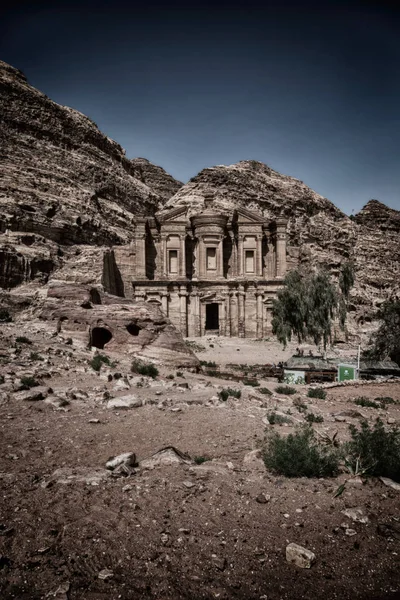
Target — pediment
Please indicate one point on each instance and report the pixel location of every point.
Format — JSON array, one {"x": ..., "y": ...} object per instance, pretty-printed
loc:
[
  {"x": 177, "y": 214},
  {"x": 248, "y": 216}
]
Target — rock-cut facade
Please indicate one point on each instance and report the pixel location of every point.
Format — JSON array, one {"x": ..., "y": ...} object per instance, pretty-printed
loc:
[{"x": 210, "y": 272}]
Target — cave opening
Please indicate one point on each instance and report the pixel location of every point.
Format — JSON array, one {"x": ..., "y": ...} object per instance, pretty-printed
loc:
[
  {"x": 133, "y": 329},
  {"x": 100, "y": 337}
]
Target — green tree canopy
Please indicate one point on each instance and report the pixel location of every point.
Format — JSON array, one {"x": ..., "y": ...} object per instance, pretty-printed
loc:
[
  {"x": 307, "y": 305},
  {"x": 386, "y": 342}
]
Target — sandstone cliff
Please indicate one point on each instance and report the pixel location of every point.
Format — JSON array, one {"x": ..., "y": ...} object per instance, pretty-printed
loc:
[
  {"x": 63, "y": 180},
  {"x": 155, "y": 177}
]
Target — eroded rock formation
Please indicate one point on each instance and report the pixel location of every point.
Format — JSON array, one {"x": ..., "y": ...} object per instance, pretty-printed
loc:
[{"x": 93, "y": 318}]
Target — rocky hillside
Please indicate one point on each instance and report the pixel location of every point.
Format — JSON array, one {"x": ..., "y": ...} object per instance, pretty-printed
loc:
[
  {"x": 319, "y": 233},
  {"x": 64, "y": 181},
  {"x": 155, "y": 177},
  {"x": 60, "y": 174},
  {"x": 67, "y": 190}
]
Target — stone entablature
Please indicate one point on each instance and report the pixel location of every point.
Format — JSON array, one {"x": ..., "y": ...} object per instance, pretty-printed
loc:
[{"x": 208, "y": 272}]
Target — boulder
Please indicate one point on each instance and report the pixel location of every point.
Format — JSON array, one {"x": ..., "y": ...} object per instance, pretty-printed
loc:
[{"x": 299, "y": 556}]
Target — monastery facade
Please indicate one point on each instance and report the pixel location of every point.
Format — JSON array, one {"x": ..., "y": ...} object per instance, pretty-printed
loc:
[{"x": 211, "y": 273}]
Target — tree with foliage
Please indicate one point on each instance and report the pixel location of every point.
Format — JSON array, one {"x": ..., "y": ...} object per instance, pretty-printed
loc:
[
  {"x": 307, "y": 306},
  {"x": 386, "y": 342}
]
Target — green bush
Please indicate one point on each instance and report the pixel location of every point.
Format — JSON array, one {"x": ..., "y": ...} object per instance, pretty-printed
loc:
[
  {"x": 384, "y": 400},
  {"x": 21, "y": 339},
  {"x": 146, "y": 369},
  {"x": 98, "y": 360},
  {"x": 299, "y": 404},
  {"x": 226, "y": 392},
  {"x": 2, "y": 380},
  {"x": 275, "y": 419},
  {"x": 212, "y": 373},
  {"x": 299, "y": 455},
  {"x": 179, "y": 374},
  {"x": 35, "y": 356},
  {"x": 208, "y": 363},
  {"x": 376, "y": 449},
  {"x": 311, "y": 418},
  {"x": 317, "y": 393},
  {"x": 170, "y": 376},
  {"x": 252, "y": 382},
  {"x": 266, "y": 391},
  {"x": 362, "y": 401},
  {"x": 28, "y": 382},
  {"x": 285, "y": 389}
]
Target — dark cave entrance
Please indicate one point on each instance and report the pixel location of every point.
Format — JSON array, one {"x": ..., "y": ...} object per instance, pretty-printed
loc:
[
  {"x": 212, "y": 316},
  {"x": 100, "y": 337},
  {"x": 133, "y": 329}
]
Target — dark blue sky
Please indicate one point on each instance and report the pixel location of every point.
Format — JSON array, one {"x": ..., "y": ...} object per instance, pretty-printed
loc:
[{"x": 313, "y": 91}]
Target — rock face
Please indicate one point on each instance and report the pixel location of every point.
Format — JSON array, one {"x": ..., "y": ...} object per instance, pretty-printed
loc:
[
  {"x": 155, "y": 177},
  {"x": 377, "y": 254},
  {"x": 63, "y": 180},
  {"x": 107, "y": 322},
  {"x": 319, "y": 233}
]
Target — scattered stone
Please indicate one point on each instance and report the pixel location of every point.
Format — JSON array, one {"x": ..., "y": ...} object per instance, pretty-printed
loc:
[
  {"x": 166, "y": 456},
  {"x": 67, "y": 475},
  {"x": 61, "y": 592},
  {"x": 37, "y": 393},
  {"x": 391, "y": 421},
  {"x": 389, "y": 530},
  {"x": 94, "y": 421},
  {"x": 355, "y": 514},
  {"x": 189, "y": 484},
  {"x": 389, "y": 482},
  {"x": 124, "y": 403},
  {"x": 299, "y": 556},
  {"x": 105, "y": 574},
  {"x": 263, "y": 498},
  {"x": 128, "y": 459},
  {"x": 219, "y": 563},
  {"x": 350, "y": 532},
  {"x": 340, "y": 419}
]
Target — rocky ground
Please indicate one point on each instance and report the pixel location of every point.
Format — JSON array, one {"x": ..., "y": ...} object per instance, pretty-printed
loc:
[{"x": 203, "y": 519}]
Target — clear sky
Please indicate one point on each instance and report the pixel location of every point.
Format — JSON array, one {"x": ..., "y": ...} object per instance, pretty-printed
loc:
[{"x": 311, "y": 90}]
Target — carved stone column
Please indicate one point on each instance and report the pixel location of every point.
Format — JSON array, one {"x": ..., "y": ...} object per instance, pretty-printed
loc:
[
  {"x": 164, "y": 302},
  {"x": 140, "y": 238},
  {"x": 195, "y": 314},
  {"x": 241, "y": 314},
  {"x": 227, "y": 315},
  {"x": 183, "y": 311},
  {"x": 233, "y": 271},
  {"x": 234, "y": 313},
  {"x": 201, "y": 258},
  {"x": 240, "y": 256},
  {"x": 182, "y": 255},
  {"x": 281, "y": 247},
  {"x": 164, "y": 257},
  {"x": 220, "y": 260},
  {"x": 259, "y": 314},
  {"x": 271, "y": 262},
  {"x": 259, "y": 271}
]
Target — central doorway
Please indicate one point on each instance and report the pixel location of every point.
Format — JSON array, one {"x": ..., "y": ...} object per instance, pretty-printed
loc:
[{"x": 212, "y": 317}]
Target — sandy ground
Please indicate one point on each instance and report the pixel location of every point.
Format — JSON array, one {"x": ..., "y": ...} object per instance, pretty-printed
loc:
[{"x": 185, "y": 530}]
